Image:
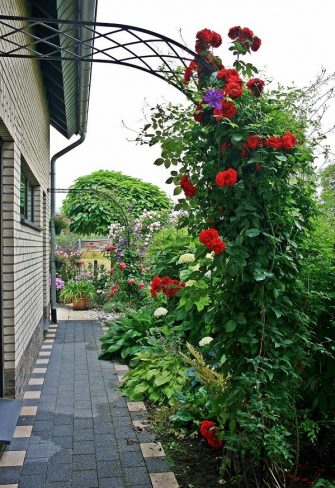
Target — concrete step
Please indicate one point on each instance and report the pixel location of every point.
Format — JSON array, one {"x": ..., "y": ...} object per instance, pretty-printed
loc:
[{"x": 9, "y": 414}]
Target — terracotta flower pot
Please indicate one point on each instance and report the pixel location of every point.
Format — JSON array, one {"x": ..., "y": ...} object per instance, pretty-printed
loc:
[{"x": 80, "y": 304}]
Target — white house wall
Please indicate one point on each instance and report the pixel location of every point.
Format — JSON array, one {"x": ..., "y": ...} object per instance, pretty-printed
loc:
[{"x": 24, "y": 126}]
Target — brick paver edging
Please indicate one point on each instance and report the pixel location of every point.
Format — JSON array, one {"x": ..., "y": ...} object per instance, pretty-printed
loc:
[{"x": 75, "y": 429}]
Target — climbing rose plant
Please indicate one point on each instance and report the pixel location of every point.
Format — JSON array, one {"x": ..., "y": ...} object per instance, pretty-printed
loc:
[{"x": 243, "y": 173}]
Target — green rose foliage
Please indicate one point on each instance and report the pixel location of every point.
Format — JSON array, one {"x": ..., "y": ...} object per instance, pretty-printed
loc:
[
  {"x": 104, "y": 196},
  {"x": 259, "y": 323}
]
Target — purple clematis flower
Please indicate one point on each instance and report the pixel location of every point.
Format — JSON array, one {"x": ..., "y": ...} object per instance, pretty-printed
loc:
[{"x": 213, "y": 98}]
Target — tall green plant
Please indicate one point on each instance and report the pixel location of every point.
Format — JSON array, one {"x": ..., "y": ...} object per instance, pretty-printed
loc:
[{"x": 245, "y": 166}]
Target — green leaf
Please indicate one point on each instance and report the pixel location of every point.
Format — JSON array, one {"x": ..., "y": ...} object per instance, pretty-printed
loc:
[
  {"x": 236, "y": 138},
  {"x": 159, "y": 162},
  {"x": 252, "y": 232},
  {"x": 230, "y": 326},
  {"x": 177, "y": 190}
]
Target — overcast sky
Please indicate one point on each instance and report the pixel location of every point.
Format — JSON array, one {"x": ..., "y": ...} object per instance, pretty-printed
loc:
[{"x": 298, "y": 39}]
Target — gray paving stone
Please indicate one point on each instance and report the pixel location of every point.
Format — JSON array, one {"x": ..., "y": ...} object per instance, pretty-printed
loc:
[
  {"x": 109, "y": 469},
  {"x": 9, "y": 475},
  {"x": 31, "y": 481},
  {"x": 83, "y": 462},
  {"x": 106, "y": 454},
  {"x": 62, "y": 430},
  {"x": 34, "y": 466},
  {"x": 112, "y": 483},
  {"x": 159, "y": 465},
  {"x": 66, "y": 442},
  {"x": 87, "y": 478},
  {"x": 60, "y": 456},
  {"x": 87, "y": 447},
  {"x": 136, "y": 476},
  {"x": 59, "y": 472}
]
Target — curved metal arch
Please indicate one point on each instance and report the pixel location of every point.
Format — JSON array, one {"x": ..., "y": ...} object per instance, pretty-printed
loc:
[
  {"x": 104, "y": 193},
  {"x": 111, "y": 43}
]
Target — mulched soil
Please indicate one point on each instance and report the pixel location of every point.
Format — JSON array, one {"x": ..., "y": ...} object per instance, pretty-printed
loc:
[{"x": 196, "y": 465}]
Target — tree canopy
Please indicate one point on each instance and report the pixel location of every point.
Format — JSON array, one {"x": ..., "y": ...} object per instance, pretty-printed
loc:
[{"x": 102, "y": 197}]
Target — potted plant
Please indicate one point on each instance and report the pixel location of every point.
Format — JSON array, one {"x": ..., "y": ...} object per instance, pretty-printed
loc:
[{"x": 79, "y": 293}]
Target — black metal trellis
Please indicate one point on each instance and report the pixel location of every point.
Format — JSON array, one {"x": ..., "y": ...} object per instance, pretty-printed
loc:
[
  {"x": 100, "y": 192},
  {"x": 99, "y": 42}
]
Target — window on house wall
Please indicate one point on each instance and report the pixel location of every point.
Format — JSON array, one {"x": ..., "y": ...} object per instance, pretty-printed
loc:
[{"x": 27, "y": 196}]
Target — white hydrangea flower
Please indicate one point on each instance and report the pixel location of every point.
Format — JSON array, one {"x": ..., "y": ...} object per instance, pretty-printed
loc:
[
  {"x": 186, "y": 258},
  {"x": 160, "y": 311},
  {"x": 205, "y": 341}
]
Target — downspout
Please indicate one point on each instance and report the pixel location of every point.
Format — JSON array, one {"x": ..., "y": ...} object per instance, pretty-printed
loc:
[{"x": 52, "y": 223}]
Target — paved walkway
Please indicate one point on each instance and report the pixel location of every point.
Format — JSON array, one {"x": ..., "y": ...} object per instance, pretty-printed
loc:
[{"x": 75, "y": 429}]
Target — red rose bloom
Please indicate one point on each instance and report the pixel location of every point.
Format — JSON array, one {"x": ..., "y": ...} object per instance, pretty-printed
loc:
[
  {"x": 256, "y": 44},
  {"x": 210, "y": 238},
  {"x": 245, "y": 34},
  {"x": 253, "y": 142},
  {"x": 256, "y": 86},
  {"x": 208, "y": 235},
  {"x": 273, "y": 143},
  {"x": 209, "y": 430},
  {"x": 217, "y": 246},
  {"x": 288, "y": 141},
  {"x": 216, "y": 40},
  {"x": 189, "y": 189},
  {"x": 205, "y": 35},
  {"x": 205, "y": 426},
  {"x": 167, "y": 285},
  {"x": 187, "y": 75},
  {"x": 212, "y": 439},
  {"x": 228, "y": 111},
  {"x": 226, "y": 178},
  {"x": 233, "y": 90},
  {"x": 229, "y": 75},
  {"x": 234, "y": 32},
  {"x": 155, "y": 286}
]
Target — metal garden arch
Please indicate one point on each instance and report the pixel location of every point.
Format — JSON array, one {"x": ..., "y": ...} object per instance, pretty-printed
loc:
[{"x": 95, "y": 42}]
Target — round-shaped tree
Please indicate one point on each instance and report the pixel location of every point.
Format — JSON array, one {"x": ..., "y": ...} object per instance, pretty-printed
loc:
[{"x": 102, "y": 197}]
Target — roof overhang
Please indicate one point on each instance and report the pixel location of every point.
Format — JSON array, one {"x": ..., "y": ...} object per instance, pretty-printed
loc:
[{"x": 67, "y": 82}]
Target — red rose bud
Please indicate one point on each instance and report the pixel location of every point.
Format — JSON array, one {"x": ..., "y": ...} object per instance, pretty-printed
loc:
[
  {"x": 245, "y": 34},
  {"x": 234, "y": 32},
  {"x": 256, "y": 44},
  {"x": 199, "y": 113},
  {"x": 216, "y": 40},
  {"x": 189, "y": 189},
  {"x": 122, "y": 265},
  {"x": 256, "y": 87},
  {"x": 259, "y": 166},
  {"x": 140, "y": 286},
  {"x": 131, "y": 281}
]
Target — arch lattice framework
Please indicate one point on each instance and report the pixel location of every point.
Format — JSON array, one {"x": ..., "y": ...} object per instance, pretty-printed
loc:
[{"x": 98, "y": 42}]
